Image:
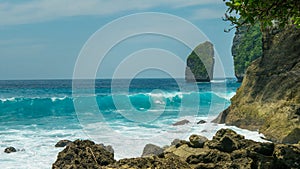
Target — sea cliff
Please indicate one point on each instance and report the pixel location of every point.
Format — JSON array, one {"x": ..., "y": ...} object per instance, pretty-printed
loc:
[{"x": 269, "y": 97}]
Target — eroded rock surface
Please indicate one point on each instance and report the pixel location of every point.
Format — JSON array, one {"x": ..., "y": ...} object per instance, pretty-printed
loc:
[
  {"x": 269, "y": 97},
  {"x": 227, "y": 150}
]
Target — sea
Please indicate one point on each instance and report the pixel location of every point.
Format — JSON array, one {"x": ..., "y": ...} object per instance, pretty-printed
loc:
[{"x": 124, "y": 113}]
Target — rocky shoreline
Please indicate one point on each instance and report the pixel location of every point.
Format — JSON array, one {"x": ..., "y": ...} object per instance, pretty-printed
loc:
[{"x": 227, "y": 149}]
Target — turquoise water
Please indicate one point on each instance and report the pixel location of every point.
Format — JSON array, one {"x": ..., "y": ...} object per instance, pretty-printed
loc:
[{"x": 35, "y": 114}]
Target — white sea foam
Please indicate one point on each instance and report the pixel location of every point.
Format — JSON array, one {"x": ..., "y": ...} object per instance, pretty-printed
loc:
[
  {"x": 128, "y": 140},
  {"x": 39, "y": 151},
  {"x": 53, "y": 99},
  {"x": 226, "y": 96},
  {"x": 8, "y": 99}
]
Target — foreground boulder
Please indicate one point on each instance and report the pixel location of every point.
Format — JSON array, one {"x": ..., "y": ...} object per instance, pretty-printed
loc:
[
  {"x": 83, "y": 154},
  {"x": 269, "y": 97},
  {"x": 227, "y": 150},
  {"x": 197, "y": 141}
]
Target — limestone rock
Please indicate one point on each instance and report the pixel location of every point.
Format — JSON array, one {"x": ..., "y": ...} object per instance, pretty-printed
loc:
[
  {"x": 287, "y": 155},
  {"x": 63, "y": 143},
  {"x": 200, "y": 63},
  {"x": 175, "y": 142},
  {"x": 165, "y": 161},
  {"x": 227, "y": 150},
  {"x": 197, "y": 141},
  {"x": 181, "y": 122},
  {"x": 269, "y": 97},
  {"x": 151, "y": 149},
  {"x": 108, "y": 148},
  {"x": 83, "y": 154}
]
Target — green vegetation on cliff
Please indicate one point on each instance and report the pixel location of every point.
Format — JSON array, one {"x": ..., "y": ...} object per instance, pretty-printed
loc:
[
  {"x": 247, "y": 46},
  {"x": 200, "y": 63}
]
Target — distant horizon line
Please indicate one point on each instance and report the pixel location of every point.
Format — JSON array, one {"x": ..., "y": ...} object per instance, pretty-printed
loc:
[{"x": 39, "y": 79}]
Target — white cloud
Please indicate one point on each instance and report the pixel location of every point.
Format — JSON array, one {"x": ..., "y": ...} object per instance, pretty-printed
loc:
[{"x": 12, "y": 13}]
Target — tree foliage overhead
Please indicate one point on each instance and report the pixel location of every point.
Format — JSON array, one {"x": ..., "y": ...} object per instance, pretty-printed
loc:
[{"x": 263, "y": 11}]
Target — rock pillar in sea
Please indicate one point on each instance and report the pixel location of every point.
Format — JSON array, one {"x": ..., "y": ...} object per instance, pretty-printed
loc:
[{"x": 200, "y": 63}]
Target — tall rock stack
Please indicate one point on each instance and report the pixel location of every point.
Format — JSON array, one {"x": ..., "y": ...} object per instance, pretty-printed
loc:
[{"x": 200, "y": 63}]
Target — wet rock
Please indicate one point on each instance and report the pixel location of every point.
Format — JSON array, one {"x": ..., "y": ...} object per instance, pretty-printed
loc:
[
  {"x": 151, "y": 149},
  {"x": 201, "y": 122},
  {"x": 10, "y": 150},
  {"x": 227, "y": 150},
  {"x": 109, "y": 148},
  {"x": 175, "y": 141},
  {"x": 197, "y": 141},
  {"x": 83, "y": 154},
  {"x": 63, "y": 143},
  {"x": 182, "y": 122}
]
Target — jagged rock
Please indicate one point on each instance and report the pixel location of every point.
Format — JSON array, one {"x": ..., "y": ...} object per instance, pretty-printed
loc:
[
  {"x": 200, "y": 63},
  {"x": 287, "y": 156},
  {"x": 164, "y": 161},
  {"x": 63, "y": 143},
  {"x": 227, "y": 150},
  {"x": 10, "y": 150},
  {"x": 175, "y": 142},
  {"x": 108, "y": 148},
  {"x": 269, "y": 97},
  {"x": 83, "y": 154},
  {"x": 182, "y": 122},
  {"x": 197, "y": 141},
  {"x": 151, "y": 149},
  {"x": 201, "y": 122}
]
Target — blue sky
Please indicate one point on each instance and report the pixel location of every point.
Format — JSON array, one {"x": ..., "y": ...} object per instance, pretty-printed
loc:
[{"x": 41, "y": 39}]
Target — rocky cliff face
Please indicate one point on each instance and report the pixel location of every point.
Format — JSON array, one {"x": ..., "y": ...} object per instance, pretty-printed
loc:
[
  {"x": 269, "y": 97},
  {"x": 200, "y": 63},
  {"x": 246, "y": 47}
]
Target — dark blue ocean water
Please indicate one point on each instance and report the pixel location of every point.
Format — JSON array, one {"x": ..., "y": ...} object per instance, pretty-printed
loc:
[{"x": 34, "y": 114}]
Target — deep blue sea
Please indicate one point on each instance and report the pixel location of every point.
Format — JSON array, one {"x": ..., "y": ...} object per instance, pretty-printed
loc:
[{"x": 127, "y": 114}]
